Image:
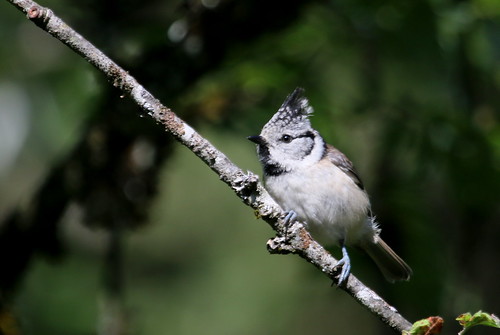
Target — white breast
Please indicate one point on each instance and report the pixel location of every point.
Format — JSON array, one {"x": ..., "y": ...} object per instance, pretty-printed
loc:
[{"x": 334, "y": 207}]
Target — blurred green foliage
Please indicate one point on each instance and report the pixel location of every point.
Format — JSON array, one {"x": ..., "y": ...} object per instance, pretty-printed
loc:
[{"x": 408, "y": 90}]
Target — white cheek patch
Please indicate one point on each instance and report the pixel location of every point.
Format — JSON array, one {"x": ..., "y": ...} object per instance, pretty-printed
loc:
[{"x": 316, "y": 153}]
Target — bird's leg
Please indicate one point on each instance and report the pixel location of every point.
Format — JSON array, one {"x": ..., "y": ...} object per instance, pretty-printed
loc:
[
  {"x": 345, "y": 262},
  {"x": 288, "y": 220}
]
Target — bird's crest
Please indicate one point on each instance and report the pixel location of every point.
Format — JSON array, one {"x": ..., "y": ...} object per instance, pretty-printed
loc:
[{"x": 294, "y": 111}]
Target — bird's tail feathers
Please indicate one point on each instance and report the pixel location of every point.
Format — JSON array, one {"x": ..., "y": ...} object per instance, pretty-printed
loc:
[{"x": 390, "y": 264}]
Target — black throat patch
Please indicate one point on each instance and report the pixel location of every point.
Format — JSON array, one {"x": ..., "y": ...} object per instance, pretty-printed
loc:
[{"x": 274, "y": 170}]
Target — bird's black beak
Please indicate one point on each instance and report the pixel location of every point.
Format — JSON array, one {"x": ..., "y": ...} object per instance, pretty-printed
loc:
[{"x": 256, "y": 139}]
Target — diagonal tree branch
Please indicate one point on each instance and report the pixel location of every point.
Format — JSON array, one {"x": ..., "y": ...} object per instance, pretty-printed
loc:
[{"x": 245, "y": 184}]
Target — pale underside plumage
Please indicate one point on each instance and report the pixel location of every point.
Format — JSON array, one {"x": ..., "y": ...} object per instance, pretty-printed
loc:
[{"x": 329, "y": 200}]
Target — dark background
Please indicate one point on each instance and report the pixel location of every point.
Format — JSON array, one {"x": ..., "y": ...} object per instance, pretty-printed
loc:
[{"x": 107, "y": 226}]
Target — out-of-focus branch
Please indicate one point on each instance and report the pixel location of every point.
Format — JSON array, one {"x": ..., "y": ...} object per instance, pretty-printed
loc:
[{"x": 245, "y": 184}]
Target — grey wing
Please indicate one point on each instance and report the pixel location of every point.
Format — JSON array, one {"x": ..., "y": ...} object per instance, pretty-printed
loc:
[{"x": 341, "y": 161}]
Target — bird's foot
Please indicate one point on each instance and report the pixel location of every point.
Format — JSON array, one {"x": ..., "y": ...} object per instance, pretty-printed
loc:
[
  {"x": 288, "y": 220},
  {"x": 345, "y": 263}
]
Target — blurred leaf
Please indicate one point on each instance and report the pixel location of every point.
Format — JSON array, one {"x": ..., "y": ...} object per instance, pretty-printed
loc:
[
  {"x": 479, "y": 318},
  {"x": 8, "y": 323},
  {"x": 487, "y": 8},
  {"x": 429, "y": 326}
]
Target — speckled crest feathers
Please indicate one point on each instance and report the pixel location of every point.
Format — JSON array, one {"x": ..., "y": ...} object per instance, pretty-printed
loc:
[{"x": 293, "y": 113}]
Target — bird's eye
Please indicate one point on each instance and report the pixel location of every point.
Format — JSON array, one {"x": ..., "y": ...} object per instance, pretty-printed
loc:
[{"x": 286, "y": 138}]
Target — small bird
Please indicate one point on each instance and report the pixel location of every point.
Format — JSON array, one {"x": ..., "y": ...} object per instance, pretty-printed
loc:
[{"x": 316, "y": 183}]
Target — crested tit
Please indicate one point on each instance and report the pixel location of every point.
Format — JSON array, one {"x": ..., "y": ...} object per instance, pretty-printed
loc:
[{"x": 318, "y": 184}]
